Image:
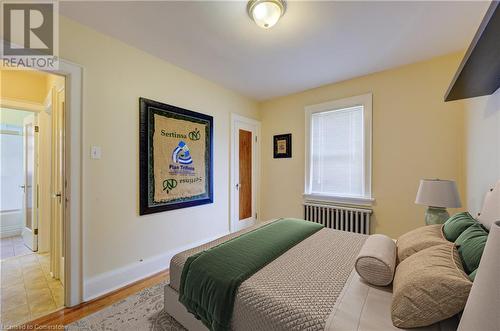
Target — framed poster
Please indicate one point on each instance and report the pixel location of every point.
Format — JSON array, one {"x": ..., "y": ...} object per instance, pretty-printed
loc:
[
  {"x": 282, "y": 146},
  {"x": 175, "y": 151}
]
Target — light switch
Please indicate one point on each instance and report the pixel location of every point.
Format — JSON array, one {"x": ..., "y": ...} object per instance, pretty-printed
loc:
[{"x": 95, "y": 152}]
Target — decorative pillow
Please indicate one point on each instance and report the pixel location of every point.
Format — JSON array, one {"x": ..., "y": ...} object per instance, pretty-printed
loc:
[
  {"x": 429, "y": 286},
  {"x": 376, "y": 260},
  {"x": 472, "y": 275},
  {"x": 419, "y": 239},
  {"x": 471, "y": 245},
  {"x": 457, "y": 224}
]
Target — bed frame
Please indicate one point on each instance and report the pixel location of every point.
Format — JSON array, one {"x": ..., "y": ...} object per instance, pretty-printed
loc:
[
  {"x": 481, "y": 310},
  {"x": 175, "y": 309},
  {"x": 483, "y": 304}
]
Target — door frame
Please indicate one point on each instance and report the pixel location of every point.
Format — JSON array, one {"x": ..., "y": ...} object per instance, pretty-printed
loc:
[
  {"x": 73, "y": 234},
  {"x": 233, "y": 192},
  {"x": 73, "y": 264}
]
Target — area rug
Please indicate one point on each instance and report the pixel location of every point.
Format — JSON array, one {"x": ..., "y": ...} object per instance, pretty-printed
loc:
[{"x": 141, "y": 311}]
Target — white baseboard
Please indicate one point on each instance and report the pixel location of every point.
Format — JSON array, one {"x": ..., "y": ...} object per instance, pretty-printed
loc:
[
  {"x": 112, "y": 280},
  {"x": 11, "y": 223},
  {"x": 10, "y": 230}
]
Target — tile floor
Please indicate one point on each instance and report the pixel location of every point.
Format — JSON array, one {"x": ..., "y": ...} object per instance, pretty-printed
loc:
[
  {"x": 27, "y": 289},
  {"x": 13, "y": 246}
]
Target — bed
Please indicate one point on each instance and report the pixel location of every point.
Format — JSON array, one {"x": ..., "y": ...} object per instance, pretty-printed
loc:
[{"x": 313, "y": 286}]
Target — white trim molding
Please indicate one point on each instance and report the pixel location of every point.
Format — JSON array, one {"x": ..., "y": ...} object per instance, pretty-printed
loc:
[
  {"x": 73, "y": 268},
  {"x": 22, "y": 105},
  {"x": 342, "y": 200},
  {"x": 364, "y": 100},
  {"x": 11, "y": 223},
  {"x": 255, "y": 127}
]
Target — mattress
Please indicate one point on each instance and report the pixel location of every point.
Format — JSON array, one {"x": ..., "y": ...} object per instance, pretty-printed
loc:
[
  {"x": 177, "y": 262},
  {"x": 364, "y": 307},
  {"x": 298, "y": 290}
]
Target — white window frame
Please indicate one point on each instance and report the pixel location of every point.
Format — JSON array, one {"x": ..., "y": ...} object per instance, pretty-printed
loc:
[{"x": 364, "y": 100}]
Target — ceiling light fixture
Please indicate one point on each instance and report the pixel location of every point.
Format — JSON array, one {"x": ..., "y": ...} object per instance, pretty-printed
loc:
[{"x": 266, "y": 13}]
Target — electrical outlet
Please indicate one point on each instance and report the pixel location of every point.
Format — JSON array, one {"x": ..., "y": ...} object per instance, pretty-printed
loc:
[{"x": 95, "y": 152}]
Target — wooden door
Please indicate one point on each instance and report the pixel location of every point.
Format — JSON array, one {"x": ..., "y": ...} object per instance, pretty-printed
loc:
[{"x": 245, "y": 174}]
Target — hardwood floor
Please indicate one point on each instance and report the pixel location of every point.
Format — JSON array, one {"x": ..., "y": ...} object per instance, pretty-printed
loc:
[{"x": 57, "y": 320}]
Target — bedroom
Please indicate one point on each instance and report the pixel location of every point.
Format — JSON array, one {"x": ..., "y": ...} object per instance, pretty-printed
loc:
[{"x": 211, "y": 58}]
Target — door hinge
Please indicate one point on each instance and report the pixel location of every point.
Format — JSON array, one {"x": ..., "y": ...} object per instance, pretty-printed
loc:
[
  {"x": 255, "y": 138},
  {"x": 37, "y": 128},
  {"x": 255, "y": 215},
  {"x": 35, "y": 231}
]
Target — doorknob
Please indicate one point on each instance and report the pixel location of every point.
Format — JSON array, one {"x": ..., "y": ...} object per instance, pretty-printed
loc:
[
  {"x": 23, "y": 187},
  {"x": 57, "y": 195},
  {"x": 237, "y": 186}
]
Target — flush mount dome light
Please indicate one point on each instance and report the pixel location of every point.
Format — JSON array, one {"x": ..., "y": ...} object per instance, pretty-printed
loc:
[{"x": 266, "y": 13}]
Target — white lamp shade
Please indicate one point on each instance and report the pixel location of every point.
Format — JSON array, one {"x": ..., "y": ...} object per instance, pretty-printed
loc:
[{"x": 438, "y": 193}]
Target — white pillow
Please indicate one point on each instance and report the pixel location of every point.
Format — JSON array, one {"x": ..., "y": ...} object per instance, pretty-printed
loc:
[{"x": 376, "y": 260}]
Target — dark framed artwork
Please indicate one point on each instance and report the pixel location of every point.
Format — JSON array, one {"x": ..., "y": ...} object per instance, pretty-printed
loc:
[
  {"x": 282, "y": 146},
  {"x": 175, "y": 152}
]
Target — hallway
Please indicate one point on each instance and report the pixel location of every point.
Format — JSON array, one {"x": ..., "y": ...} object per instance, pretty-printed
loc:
[
  {"x": 13, "y": 246},
  {"x": 27, "y": 288}
]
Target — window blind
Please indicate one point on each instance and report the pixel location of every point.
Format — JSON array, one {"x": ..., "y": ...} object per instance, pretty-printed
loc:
[{"x": 337, "y": 152}]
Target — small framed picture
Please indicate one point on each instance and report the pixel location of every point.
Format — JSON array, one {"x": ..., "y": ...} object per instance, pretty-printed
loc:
[{"x": 282, "y": 146}]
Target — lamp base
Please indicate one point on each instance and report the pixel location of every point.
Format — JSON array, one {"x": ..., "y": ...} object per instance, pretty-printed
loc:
[{"x": 436, "y": 215}]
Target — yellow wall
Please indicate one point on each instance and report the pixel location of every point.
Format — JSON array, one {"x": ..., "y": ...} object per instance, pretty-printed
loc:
[
  {"x": 415, "y": 135},
  {"x": 115, "y": 76},
  {"x": 23, "y": 85}
]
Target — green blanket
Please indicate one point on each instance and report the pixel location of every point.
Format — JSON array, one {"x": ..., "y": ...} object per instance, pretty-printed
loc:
[{"x": 210, "y": 279}]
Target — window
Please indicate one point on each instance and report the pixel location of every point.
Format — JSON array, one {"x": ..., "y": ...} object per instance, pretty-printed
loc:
[
  {"x": 338, "y": 144},
  {"x": 11, "y": 148}
]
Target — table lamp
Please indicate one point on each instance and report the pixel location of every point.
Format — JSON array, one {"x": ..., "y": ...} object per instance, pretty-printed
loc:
[{"x": 437, "y": 195}]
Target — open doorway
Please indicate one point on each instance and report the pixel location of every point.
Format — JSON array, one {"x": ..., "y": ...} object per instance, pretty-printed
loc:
[{"x": 32, "y": 135}]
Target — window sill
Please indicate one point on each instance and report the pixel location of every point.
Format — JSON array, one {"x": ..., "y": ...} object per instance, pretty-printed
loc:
[{"x": 345, "y": 200}]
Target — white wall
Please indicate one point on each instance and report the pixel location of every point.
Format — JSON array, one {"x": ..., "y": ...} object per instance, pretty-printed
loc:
[
  {"x": 11, "y": 168},
  {"x": 482, "y": 139},
  {"x": 118, "y": 244}
]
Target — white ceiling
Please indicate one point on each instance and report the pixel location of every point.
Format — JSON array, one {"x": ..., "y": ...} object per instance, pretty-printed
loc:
[{"x": 315, "y": 43}]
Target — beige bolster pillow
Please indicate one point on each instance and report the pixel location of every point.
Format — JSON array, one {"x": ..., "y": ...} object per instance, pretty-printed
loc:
[{"x": 376, "y": 260}]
